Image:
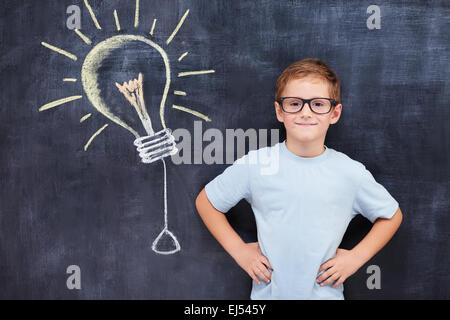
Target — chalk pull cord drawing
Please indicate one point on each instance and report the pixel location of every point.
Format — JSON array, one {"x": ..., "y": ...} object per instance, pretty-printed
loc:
[{"x": 153, "y": 147}]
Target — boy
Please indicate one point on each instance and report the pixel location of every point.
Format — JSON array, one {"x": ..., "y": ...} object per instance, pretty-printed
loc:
[{"x": 303, "y": 209}]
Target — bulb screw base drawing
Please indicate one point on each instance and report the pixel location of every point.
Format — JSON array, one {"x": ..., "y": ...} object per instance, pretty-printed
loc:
[{"x": 157, "y": 146}]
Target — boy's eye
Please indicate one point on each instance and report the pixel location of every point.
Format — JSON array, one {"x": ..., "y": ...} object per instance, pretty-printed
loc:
[
  {"x": 320, "y": 103},
  {"x": 293, "y": 102}
]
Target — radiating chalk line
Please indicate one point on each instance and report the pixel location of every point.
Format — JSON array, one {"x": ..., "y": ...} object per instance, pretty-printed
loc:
[
  {"x": 177, "y": 27},
  {"x": 59, "y": 102},
  {"x": 153, "y": 26},
  {"x": 85, "y": 117},
  {"x": 83, "y": 37},
  {"x": 194, "y": 73},
  {"x": 94, "y": 135},
  {"x": 195, "y": 113},
  {"x": 92, "y": 14},
  {"x": 182, "y": 56},
  {"x": 136, "y": 15},
  {"x": 60, "y": 51},
  {"x": 116, "y": 18}
]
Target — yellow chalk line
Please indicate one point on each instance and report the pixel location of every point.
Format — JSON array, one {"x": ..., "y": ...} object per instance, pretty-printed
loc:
[
  {"x": 182, "y": 56},
  {"x": 85, "y": 117},
  {"x": 136, "y": 15},
  {"x": 195, "y": 113},
  {"x": 153, "y": 26},
  {"x": 117, "y": 20},
  {"x": 180, "y": 93},
  {"x": 193, "y": 73},
  {"x": 178, "y": 27},
  {"x": 92, "y": 14},
  {"x": 59, "y": 102},
  {"x": 83, "y": 37},
  {"x": 60, "y": 51},
  {"x": 70, "y": 80},
  {"x": 94, "y": 135}
]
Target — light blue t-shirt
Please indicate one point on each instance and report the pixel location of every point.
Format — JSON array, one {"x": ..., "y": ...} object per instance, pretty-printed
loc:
[{"x": 302, "y": 208}]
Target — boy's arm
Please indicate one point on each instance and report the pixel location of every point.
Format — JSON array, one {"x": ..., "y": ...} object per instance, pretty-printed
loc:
[
  {"x": 247, "y": 255},
  {"x": 382, "y": 231},
  {"x": 347, "y": 262},
  {"x": 218, "y": 225}
]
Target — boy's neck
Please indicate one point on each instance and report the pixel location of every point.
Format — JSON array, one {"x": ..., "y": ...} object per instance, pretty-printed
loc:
[{"x": 305, "y": 150}]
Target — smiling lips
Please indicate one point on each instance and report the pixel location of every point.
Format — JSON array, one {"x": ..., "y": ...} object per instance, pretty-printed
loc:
[{"x": 306, "y": 124}]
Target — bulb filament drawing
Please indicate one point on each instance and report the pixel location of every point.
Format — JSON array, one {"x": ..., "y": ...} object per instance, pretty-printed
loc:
[{"x": 134, "y": 93}]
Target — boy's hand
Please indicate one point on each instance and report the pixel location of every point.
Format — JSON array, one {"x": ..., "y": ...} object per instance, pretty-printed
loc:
[
  {"x": 340, "y": 267},
  {"x": 251, "y": 259}
]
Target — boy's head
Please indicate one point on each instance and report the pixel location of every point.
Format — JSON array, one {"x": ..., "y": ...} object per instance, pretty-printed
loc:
[{"x": 307, "y": 79}]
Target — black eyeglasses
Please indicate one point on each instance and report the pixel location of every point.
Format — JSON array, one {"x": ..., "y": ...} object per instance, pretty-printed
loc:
[{"x": 316, "y": 105}]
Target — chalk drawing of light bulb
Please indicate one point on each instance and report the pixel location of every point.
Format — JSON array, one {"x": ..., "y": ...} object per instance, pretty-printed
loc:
[
  {"x": 151, "y": 147},
  {"x": 100, "y": 81}
]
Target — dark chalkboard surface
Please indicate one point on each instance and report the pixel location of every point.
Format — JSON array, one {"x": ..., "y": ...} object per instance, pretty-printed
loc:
[{"x": 69, "y": 200}]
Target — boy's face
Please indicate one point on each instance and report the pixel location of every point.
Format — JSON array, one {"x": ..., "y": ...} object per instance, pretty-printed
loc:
[{"x": 295, "y": 123}]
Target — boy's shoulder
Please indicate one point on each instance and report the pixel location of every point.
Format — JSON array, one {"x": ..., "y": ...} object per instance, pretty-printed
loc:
[
  {"x": 346, "y": 165},
  {"x": 264, "y": 161},
  {"x": 344, "y": 158},
  {"x": 260, "y": 155}
]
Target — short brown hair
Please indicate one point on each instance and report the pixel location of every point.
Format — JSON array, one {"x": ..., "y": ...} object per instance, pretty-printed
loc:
[{"x": 309, "y": 67}]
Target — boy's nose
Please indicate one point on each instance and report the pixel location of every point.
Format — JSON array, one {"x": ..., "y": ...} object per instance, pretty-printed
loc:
[{"x": 306, "y": 110}]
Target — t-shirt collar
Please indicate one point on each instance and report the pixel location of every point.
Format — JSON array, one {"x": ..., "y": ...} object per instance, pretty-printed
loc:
[{"x": 297, "y": 158}]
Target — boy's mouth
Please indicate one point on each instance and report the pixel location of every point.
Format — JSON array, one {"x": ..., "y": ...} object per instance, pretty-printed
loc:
[{"x": 305, "y": 124}]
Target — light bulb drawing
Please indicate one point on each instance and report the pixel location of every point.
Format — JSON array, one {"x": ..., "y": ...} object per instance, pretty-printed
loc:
[{"x": 151, "y": 146}]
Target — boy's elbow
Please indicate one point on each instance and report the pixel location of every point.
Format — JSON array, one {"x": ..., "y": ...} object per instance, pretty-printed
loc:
[
  {"x": 398, "y": 217},
  {"x": 198, "y": 200}
]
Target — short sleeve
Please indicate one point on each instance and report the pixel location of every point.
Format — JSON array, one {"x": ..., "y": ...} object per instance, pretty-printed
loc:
[
  {"x": 231, "y": 186},
  {"x": 372, "y": 200}
]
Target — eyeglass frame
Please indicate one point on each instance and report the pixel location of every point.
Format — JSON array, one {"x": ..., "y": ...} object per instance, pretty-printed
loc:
[{"x": 308, "y": 101}]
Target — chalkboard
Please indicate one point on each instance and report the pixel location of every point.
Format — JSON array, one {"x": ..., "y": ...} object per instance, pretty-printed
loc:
[{"x": 80, "y": 210}]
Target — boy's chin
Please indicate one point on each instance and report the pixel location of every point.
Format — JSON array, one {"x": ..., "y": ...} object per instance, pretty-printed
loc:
[
  {"x": 306, "y": 142},
  {"x": 304, "y": 138}
]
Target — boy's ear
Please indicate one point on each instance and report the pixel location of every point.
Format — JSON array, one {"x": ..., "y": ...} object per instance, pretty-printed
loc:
[
  {"x": 278, "y": 112},
  {"x": 336, "y": 114}
]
